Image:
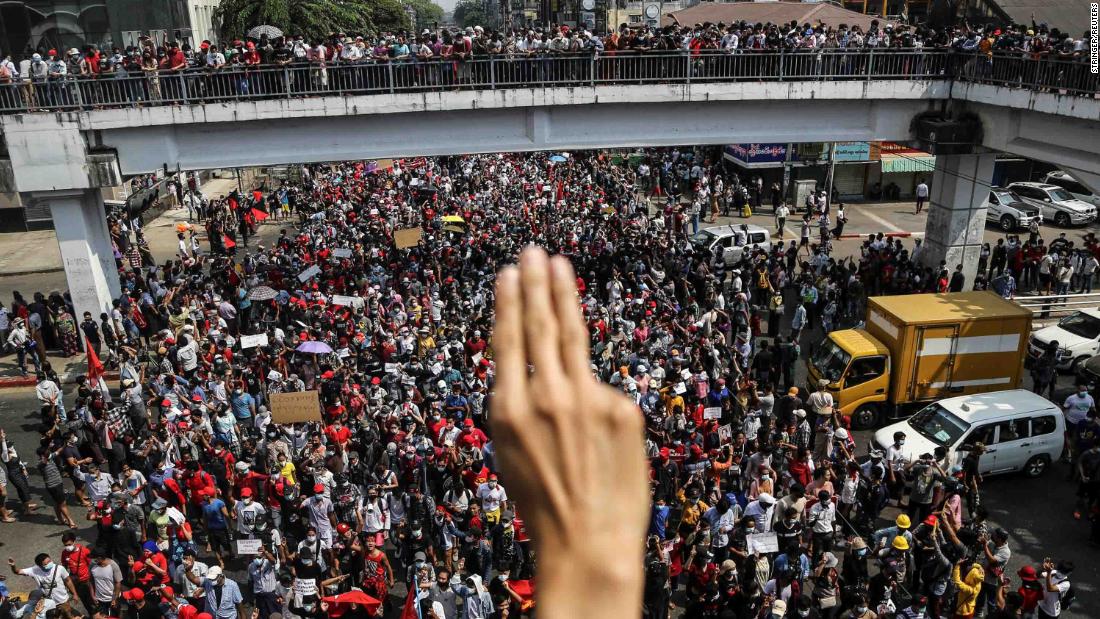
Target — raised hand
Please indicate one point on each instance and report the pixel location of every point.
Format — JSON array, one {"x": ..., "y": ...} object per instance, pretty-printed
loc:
[{"x": 571, "y": 449}]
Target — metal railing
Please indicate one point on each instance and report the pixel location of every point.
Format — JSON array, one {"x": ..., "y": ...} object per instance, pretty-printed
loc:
[
  {"x": 196, "y": 86},
  {"x": 1050, "y": 308}
]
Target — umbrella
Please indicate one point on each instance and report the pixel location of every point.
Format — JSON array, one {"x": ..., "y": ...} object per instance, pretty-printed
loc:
[
  {"x": 454, "y": 219},
  {"x": 262, "y": 293},
  {"x": 557, "y": 159},
  {"x": 314, "y": 347},
  {"x": 271, "y": 31},
  {"x": 337, "y": 602}
]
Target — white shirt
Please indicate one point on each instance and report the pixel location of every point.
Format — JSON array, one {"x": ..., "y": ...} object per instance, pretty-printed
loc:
[
  {"x": 491, "y": 498},
  {"x": 1051, "y": 604},
  {"x": 51, "y": 581},
  {"x": 922, "y": 190},
  {"x": 1077, "y": 407}
]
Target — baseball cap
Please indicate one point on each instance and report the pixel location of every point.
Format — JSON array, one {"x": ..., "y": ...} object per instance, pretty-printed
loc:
[
  {"x": 318, "y": 488},
  {"x": 167, "y": 592},
  {"x": 214, "y": 572},
  {"x": 134, "y": 594},
  {"x": 246, "y": 492}
]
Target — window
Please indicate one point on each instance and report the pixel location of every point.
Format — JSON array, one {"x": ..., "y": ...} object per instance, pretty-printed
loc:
[
  {"x": 757, "y": 238},
  {"x": 865, "y": 369},
  {"x": 1014, "y": 430},
  {"x": 982, "y": 434},
  {"x": 936, "y": 423},
  {"x": 993, "y": 198},
  {"x": 1069, "y": 185},
  {"x": 1043, "y": 425},
  {"x": 131, "y": 38}
]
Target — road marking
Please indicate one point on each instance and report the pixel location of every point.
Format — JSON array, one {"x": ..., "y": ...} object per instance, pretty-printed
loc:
[{"x": 880, "y": 221}]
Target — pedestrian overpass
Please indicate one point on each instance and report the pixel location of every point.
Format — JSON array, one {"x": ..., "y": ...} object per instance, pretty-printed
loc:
[{"x": 97, "y": 132}]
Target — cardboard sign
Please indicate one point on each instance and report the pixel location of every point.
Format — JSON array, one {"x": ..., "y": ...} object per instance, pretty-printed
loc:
[
  {"x": 295, "y": 407},
  {"x": 679, "y": 389},
  {"x": 763, "y": 543},
  {"x": 305, "y": 587},
  {"x": 712, "y": 412},
  {"x": 252, "y": 341},
  {"x": 249, "y": 547},
  {"x": 341, "y": 252},
  {"x": 406, "y": 237},
  {"x": 309, "y": 273},
  {"x": 346, "y": 301},
  {"x": 725, "y": 433}
]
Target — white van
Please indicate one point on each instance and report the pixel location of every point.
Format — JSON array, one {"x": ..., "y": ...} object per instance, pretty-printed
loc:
[
  {"x": 1022, "y": 431},
  {"x": 728, "y": 237}
]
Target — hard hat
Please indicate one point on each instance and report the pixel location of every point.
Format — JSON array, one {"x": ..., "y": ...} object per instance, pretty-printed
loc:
[
  {"x": 901, "y": 543},
  {"x": 902, "y": 521}
]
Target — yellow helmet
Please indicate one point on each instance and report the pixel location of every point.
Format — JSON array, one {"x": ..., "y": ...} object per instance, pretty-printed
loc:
[
  {"x": 901, "y": 543},
  {"x": 902, "y": 521}
]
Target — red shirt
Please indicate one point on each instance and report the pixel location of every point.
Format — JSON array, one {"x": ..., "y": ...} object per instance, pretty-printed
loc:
[
  {"x": 341, "y": 435},
  {"x": 77, "y": 562}
]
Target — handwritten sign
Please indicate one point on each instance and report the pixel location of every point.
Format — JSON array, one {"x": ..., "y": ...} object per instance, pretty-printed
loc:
[
  {"x": 252, "y": 341},
  {"x": 712, "y": 412},
  {"x": 249, "y": 547},
  {"x": 341, "y": 252},
  {"x": 392, "y": 368},
  {"x": 406, "y": 237},
  {"x": 305, "y": 587},
  {"x": 725, "y": 433},
  {"x": 346, "y": 301},
  {"x": 679, "y": 389},
  {"x": 763, "y": 543},
  {"x": 295, "y": 407},
  {"x": 309, "y": 273}
]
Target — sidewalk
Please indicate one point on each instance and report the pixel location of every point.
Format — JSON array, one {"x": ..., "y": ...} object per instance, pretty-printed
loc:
[{"x": 31, "y": 262}]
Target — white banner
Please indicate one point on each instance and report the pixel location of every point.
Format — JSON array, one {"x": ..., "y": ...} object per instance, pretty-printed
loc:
[
  {"x": 341, "y": 252},
  {"x": 712, "y": 412},
  {"x": 346, "y": 301},
  {"x": 311, "y": 272},
  {"x": 252, "y": 341}
]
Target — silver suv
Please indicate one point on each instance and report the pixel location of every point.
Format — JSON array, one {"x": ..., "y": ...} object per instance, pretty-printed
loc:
[
  {"x": 1055, "y": 203},
  {"x": 1008, "y": 211},
  {"x": 1073, "y": 186}
]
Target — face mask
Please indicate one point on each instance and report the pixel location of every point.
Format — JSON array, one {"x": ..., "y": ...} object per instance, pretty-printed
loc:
[
  {"x": 247, "y": 501},
  {"x": 492, "y": 484},
  {"x": 901, "y": 442},
  {"x": 47, "y": 566},
  {"x": 503, "y": 577},
  {"x": 307, "y": 562},
  {"x": 417, "y": 533},
  {"x": 1082, "y": 393},
  {"x": 765, "y": 478},
  {"x": 70, "y": 548},
  {"x": 257, "y": 562},
  {"x": 861, "y": 609},
  {"x": 311, "y": 538},
  {"x": 804, "y": 613},
  {"x": 419, "y": 563}
]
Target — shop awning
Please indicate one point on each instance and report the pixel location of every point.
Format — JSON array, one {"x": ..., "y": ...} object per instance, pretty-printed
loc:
[{"x": 908, "y": 161}]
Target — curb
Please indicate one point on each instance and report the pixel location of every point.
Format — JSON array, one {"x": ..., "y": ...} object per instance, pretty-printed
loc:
[
  {"x": 34, "y": 271},
  {"x": 895, "y": 235},
  {"x": 14, "y": 382}
]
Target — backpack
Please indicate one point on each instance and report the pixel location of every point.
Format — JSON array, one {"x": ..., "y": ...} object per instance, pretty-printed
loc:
[{"x": 1068, "y": 597}]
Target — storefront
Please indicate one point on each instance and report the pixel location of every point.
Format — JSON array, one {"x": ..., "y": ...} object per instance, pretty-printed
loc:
[
  {"x": 900, "y": 170},
  {"x": 853, "y": 160}
]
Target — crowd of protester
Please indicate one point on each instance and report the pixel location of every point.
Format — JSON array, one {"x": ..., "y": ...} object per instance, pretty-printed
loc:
[
  {"x": 763, "y": 505},
  {"x": 173, "y": 71}
]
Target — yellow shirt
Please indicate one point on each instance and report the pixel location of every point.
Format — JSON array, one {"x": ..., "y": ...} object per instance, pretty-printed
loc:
[{"x": 288, "y": 472}]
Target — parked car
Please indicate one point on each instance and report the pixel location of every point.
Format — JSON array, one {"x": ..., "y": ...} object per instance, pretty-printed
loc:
[
  {"x": 1022, "y": 431},
  {"x": 1073, "y": 186},
  {"x": 1009, "y": 211},
  {"x": 1056, "y": 204},
  {"x": 732, "y": 240},
  {"x": 1088, "y": 374},
  {"x": 1078, "y": 337}
]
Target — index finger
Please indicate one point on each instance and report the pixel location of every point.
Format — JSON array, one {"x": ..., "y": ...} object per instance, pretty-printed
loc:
[{"x": 508, "y": 340}]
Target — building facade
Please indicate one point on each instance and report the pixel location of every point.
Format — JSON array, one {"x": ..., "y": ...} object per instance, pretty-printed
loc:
[{"x": 64, "y": 24}]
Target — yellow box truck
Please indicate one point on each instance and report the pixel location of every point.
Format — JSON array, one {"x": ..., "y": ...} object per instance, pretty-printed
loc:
[{"x": 920, "y": 347}]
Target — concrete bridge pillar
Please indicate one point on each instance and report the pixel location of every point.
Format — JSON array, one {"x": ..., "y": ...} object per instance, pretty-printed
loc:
[
  {"x": 956, "y": 220},
  {"x": 86, "y": 251}
]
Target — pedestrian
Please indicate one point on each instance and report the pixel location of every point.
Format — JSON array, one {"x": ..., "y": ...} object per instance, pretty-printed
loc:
[{"x": 922, "y": 195}]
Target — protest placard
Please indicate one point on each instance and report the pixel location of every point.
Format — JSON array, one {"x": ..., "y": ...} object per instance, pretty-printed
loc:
[
  {"x": 248, "y": 547},
  {"x": 406, "y": 237},
  {"x": 311, "y": 272},
  {"x": 712, "y": 412},
  {"x": 252, "y": 341},
  {"x": 762, "y": 542},
  {"x": 347, "y": 301},
  {"x": 725, "y": 433},
  {"x": 341, "y": 252},
  {"x": 295, "y": 407}
]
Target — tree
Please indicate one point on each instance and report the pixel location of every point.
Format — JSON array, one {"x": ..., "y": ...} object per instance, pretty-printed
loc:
[
  {"x": 314, "y": 19},
  {"x": 428, "y": 13},
  {"x": 472, "y": 13}
]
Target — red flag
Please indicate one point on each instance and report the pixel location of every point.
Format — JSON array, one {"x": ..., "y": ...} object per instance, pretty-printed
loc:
[
  {"x": 412, "y": 607},
  {"x": 258, "y": 214},
  {"x": 95, "y": 366},
  {"x": 228, "y": 242}
]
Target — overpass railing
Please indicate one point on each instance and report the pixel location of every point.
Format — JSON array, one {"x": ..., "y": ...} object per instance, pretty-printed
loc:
[{"x": 237, "y": 83}]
